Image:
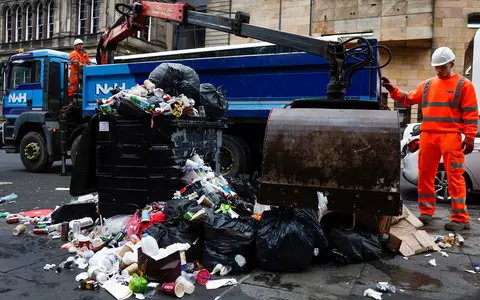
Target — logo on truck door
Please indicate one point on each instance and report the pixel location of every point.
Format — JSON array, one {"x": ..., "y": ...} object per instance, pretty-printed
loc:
[
  {"x": 17, "y": 98},
  {"x": 105, "y": 88}
]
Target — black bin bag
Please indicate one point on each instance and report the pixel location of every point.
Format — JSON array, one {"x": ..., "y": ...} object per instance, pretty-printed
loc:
[
  {"x": 351, "y": 246},
  {"x": 176, "y": 79},
  {"x": 288, "y": 239},
  {"x": 213, "y": 101},
  {"x": 225, "y": 238}
]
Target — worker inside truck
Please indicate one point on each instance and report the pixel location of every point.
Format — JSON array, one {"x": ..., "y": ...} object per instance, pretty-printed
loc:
[{"x": 78, "y": 58}]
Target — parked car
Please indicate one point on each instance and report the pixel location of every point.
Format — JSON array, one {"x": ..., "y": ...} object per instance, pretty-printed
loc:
[
  {"x": 472, "y": 169},
  {"x": 407, "y": 134}
]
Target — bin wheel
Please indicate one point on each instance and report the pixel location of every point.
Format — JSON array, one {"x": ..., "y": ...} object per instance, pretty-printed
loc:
[
  {"x": 74, "y": 149},
  {"x": 33, "y": 153},
  {"x": 235, "y": 156}
]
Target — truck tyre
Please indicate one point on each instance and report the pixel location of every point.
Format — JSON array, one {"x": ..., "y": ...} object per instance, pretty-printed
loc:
[
  {"x": 74, "y": 149},
  {"x": 235, "y": 156},
  {"x": 34, "y": 153}
]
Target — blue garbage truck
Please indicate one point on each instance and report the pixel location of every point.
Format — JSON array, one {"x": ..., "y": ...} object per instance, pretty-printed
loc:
[{"x": 263, "y": 77}]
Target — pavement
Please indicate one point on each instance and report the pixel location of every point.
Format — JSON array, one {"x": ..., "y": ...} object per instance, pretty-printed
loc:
[{"x": 22, "y": 258}]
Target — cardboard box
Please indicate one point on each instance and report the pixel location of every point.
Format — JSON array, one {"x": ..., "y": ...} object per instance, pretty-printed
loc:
[
  {"x": 163, "y": 270},
  {"x": 406, "y": 238}
]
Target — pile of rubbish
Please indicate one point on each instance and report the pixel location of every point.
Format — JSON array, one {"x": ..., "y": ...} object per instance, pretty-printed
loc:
[{"x": 171, "y": 90}]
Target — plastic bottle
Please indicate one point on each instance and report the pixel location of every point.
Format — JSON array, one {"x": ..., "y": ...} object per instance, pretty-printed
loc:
[
  {"x": 108, "y": 262},
  {"x": 96, "y": 274},
  {"x": 149, "y": 245},
  {"x": 84, "y": 222},
  {"x": 76, "y": 228}
]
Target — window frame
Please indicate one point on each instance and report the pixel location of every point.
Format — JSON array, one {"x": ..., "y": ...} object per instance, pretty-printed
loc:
[
  {"x": 50, "y": 15},
  {"x": 18, "y": 19},
  {"x": 92, "y": 16},
  {"x": 79, "y": 20},
  {"x": 39, "y": 24},
  {"x": 28, "y": 28},
  {"x": 8, "y": 33}
]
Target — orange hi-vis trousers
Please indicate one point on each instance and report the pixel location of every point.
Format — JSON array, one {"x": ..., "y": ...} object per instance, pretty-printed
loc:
[{"x": 432, "y": 147}]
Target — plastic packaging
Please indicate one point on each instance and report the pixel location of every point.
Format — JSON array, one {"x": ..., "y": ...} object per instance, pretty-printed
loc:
[
  {"x": 84, "y": 222},
  {"x": 10, "y": 197},
  {"x": 97, "y": 274},
  {"x": 76, "y": 228},
  {"x": 109, "y": 262},
  {"x": 149, "y": 245}
]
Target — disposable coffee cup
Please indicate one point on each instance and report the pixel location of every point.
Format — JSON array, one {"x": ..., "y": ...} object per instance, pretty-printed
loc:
[
  {"x": 128, "y": 271},
  {"x": 128, "y": 247},
  {"x": 19, "y": 229},
  {"x": 189, "y": 286},
  {"x": 174, "y": 289},
  {"x": 205, "y": 201}
]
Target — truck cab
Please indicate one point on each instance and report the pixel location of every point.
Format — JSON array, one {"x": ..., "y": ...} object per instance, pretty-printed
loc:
[{"x": 33, "y": 94}]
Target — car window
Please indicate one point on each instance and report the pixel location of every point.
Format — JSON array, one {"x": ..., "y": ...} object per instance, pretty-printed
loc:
[
  {"x": 26, "y": 72},
  {"x": 478, "y": 133}
]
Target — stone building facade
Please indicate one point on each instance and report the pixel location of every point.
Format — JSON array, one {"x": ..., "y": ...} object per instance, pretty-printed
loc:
[
  {"x": 412, "y": 29},
  {"x": 54, "y": 24}
]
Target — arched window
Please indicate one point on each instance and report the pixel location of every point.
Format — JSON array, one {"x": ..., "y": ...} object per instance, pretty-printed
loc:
[
  {"x": 82, "y": 17},
  {"x": 29, "y": 22},
  {"x": 39, "y": 21},
  {"x": 95, "y": 16},
  {"x": 18, "y": 24},
  {"x": 8, "y": 25},
  {"x": 146, "y": 33},
  {"x": 50, "y": 18}
]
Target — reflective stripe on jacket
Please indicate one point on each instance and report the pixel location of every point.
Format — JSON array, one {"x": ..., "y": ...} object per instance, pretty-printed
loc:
[{"x": 448, "y": 105}]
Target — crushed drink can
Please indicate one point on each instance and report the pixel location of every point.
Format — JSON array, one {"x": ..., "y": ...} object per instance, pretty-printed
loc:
[
  {"x": 89, "y": 284},
  {"x": 145, "y": 216},
  {"x": 40, "y": 231},
  {"x": 12, "y": 219}
]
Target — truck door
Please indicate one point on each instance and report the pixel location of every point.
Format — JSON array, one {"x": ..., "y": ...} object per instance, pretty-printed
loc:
[{"x": 23, "y": 88}]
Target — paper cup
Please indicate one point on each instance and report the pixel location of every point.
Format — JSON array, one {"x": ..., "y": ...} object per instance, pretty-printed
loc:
[
  {"x": 19, "y": 229},
  {"x": 128, "y": 247},
  {"x": 174, "y": 289},
  {"x": 133, "y": 268},
  {"x": 189, "y": 286}
]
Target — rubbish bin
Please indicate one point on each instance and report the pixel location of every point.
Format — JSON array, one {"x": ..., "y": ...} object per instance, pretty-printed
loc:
[{"x": 139, "y": 159}]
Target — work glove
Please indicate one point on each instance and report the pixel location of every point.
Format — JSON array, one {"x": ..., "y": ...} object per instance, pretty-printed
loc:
[
  {"x": 386, "y": 84},
  {"x": 467, "y": 145}
]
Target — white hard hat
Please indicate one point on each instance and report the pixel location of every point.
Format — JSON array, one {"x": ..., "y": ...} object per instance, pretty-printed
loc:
[
  {"x": 442, "y": 56},
  {"x": 77, "y": 41}
]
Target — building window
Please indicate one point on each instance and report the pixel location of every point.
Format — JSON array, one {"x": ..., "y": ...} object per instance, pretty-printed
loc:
[
  {"x": 39, "y": 22},
  {"x": 146, "y": 33},
  {"x": 18, "y": 24},
  {"x": 82, "y": 17},
  {"x": 50, "y": 18},
  {"x": 29, "y": 23},
  {"x": 8, "y": 25},
  {"x": 95, "y": 17}
]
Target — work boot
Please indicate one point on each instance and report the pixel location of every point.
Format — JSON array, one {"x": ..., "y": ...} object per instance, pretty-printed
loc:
[
  {"x": 456, "y": 226},
  {"x": 426, "y": 219}
]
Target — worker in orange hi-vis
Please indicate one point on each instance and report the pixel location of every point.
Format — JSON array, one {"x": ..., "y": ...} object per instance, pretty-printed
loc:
[
  {"x": 449, "y": 108},
  {"x": 78, "y": 58}
]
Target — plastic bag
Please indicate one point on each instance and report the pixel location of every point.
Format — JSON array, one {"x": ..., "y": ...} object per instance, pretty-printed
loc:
[
  {"x": 213, "y": 101},
  {"x": 287, "y": 239},
  {"x": 176, "y": 79},
  {"x": 176, "y": 208},
  {"x": 115, "y": 224},
  {"x": 349, "y": 246},
  {"x": 227, "y": 237},
  {"x": 246, "y": 187},
  {"x": 128, "y": 108}
]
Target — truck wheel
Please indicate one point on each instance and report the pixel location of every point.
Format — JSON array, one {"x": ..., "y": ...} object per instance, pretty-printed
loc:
[
  {"x": 74, "y": 149},
  {"x": 235, "y": 156},
  {"x": 33, "y": 153}
]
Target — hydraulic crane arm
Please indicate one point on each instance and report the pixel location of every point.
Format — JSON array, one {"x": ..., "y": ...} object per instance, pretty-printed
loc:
[{"x": 134, "y": 16}]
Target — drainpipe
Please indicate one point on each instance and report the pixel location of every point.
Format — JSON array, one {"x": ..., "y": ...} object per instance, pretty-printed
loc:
[
  {"x": 280, "y": 17},
  {"x": 311, "y": 18}
]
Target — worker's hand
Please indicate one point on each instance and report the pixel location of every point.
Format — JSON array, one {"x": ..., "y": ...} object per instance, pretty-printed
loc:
[
  {"x": 386, "y": 84},
  {"x": 467, "y": 145}
]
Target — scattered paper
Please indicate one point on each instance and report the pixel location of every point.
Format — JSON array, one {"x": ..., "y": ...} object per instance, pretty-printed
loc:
[
  {"x": 49, "y": 267},
  {"x": 444, "y": 254},
  {"x": 428, "y": 255},
  {"x": 164, "y": 252},
  {"x": 405, "y": 258},
  {"x": 215, "y": 284},
  {"x": 139, "y": 296},
  {"x": 81, "y": 276},
  {"x": 432, "y": 262},
  {"x": 62, "y": 189},
  {"x": 372, "y": 294},
  {"x": 7, "y": 182},
  {"x": 471, "y": 271},
  {"x": 117, "y": 290}
]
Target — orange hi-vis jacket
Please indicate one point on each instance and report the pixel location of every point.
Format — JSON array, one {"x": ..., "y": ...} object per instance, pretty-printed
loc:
[
  {"x": 78, "y": 59},
  {"x": 448, "y": 105}
]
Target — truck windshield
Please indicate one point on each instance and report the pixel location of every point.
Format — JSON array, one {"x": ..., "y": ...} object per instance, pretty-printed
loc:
[{"x": 24, "y": 72}]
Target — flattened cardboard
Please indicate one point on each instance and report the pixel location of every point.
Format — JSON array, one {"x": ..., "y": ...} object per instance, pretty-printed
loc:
[{"x": 407, "y": 239}]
